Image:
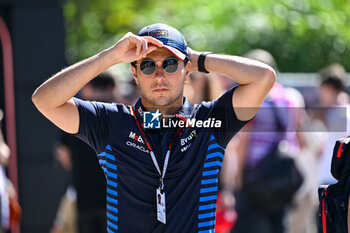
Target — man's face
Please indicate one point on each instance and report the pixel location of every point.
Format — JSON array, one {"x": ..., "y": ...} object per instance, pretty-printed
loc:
[{"x": 160, "y": 89}]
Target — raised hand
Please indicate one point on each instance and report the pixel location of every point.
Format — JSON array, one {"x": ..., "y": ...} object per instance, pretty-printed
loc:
[
  {"x": 192, "y": 65},
  {"x": 132, "y": 47}
]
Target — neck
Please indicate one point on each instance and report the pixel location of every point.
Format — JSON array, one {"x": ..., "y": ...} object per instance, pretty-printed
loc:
[{"x": 165, "y": 110}]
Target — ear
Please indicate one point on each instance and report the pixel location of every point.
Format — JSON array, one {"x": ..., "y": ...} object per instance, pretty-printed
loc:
[
  {"x": 187, "y": 73},
  {"x": 186, "y": 76},
  {"x": 134, "y": 74}
]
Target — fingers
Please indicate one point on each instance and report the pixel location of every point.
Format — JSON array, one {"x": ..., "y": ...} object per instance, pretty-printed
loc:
[
  {"x": 138, "y": 47},
  {"x": 149, "y": 44},
  {"x": 154, "y": 41},
  {"x": 193, "y": 55},
  {"x": 189, "y": 50},
  {"x": 151, "y": 48},
  {"x": 191, "y": 67},
  {"x": 145, "y": 45},
  {"x": 142, "y": 48},
  {"x": 132, "y": 47}
]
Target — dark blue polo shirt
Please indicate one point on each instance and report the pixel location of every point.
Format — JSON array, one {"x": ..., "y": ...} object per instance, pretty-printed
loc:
[{"x": 191, "y": 180}]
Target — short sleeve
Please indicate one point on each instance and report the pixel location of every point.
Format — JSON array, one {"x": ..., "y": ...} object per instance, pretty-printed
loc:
[
  {"x": 94, "y": 123},
  {"x": 222, "y": 110}
]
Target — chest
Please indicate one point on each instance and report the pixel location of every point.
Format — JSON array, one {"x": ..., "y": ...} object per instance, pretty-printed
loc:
[{"x": 130, "y": 148}]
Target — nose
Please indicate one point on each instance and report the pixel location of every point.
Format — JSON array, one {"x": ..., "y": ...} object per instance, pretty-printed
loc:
[{"x": 159, "y": 73}]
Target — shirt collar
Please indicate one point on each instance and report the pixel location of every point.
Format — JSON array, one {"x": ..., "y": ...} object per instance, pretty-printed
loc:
[{"x": 185, "y": 110}]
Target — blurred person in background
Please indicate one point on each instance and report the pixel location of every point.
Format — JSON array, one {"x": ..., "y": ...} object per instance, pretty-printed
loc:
[
  {"x": 226, "y": 214},
  {"x": 88, "y": 184},
  {"x": 128, "y": 92},
  {"x": 259, "y": 137},
  {"x": 203, "y": 87},
  {"x": 301, "y": 218},
  {"x": 10, "y": 210},
  {"x": 335, "y": 103},
  {"x": 332, "y": 86},
  {"x": 4, "y": 196}
]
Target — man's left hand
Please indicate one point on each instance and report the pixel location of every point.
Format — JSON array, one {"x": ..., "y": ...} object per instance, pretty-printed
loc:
[{"x": 192, "y": 65}]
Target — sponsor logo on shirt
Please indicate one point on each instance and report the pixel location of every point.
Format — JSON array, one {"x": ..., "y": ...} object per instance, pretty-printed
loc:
[
  {"x": 186, "y": 142},
  {"x": 191, "y": 136},
  {"x": 137, "y": 138},
  {"x": 136, "y": 146}
]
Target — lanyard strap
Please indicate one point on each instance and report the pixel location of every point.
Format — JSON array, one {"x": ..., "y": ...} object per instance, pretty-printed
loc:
[
  {"x": 155, "y": 162},
  {"x": 162, "y": 175}
]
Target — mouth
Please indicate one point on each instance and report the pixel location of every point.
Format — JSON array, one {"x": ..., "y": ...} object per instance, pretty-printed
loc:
[{"x": 160, "y": 90}]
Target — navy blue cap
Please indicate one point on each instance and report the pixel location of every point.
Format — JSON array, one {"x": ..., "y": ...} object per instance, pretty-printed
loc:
[{"x": 172, "y": 39}]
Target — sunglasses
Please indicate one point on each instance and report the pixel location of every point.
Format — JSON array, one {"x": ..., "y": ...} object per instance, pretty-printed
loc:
[{"x": 148, "y": 67}]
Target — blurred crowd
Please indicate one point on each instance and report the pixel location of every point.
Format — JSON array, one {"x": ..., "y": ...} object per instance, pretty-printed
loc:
[
  {"x": 10, "y": 210},
  {"x": 307, "y": 133}
]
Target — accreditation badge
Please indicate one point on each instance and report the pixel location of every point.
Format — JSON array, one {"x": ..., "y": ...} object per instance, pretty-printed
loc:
[{"x": 161, "y": 212}]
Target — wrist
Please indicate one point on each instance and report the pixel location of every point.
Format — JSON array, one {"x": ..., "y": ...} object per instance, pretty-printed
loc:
[
  {"x": 108, "y": 57},
  {"x": 201, "y": 62},
  {"x": 193, "y": 55}
]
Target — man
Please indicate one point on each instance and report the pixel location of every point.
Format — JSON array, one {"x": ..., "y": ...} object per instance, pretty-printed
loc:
[
  {"x": 180, "y": 164},
  {"x": 334, "y": 100}
]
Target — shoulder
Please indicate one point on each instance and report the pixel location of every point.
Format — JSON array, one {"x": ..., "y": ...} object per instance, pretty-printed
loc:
[
  {"x": 100, "y": 106},
  {"x": 224, "y": 99}
]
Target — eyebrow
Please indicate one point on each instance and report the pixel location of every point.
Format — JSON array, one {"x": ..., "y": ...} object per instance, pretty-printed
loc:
[{"x": 148, "y": 58}]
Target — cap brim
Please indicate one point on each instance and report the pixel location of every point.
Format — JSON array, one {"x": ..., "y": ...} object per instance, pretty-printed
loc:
[{"x": 176, "y": 52}]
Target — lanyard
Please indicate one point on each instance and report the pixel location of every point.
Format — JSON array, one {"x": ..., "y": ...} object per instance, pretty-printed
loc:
[{"x": 155, "y": 162}]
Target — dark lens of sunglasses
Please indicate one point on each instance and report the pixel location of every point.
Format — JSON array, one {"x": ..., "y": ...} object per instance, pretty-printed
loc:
[
  {"x": 170, "y": 65},
  {"x": 148, "y": 67}
]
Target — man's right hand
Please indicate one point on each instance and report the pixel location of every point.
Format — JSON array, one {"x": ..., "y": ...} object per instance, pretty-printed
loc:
[
  {"x": 54, "y": 97},
  {"x": 132, "y": 48}
]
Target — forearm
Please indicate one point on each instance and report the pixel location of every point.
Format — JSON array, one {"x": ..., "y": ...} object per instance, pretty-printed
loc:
[
  {"x": 53, "y": 97},
  {"x": 255, "y": 78},
  {"x": 61, "y": 87},
  {"x": 242, "y": 70}
]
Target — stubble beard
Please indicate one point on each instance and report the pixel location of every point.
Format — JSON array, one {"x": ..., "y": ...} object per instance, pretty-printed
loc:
[{"x": 164, "y": 101}]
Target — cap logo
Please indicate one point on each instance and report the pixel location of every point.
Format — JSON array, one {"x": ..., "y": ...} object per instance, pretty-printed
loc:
[{"x": 159, "y": 33}]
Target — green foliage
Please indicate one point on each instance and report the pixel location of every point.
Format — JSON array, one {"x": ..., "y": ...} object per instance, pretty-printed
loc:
[{"x": 303, "y": 35}]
